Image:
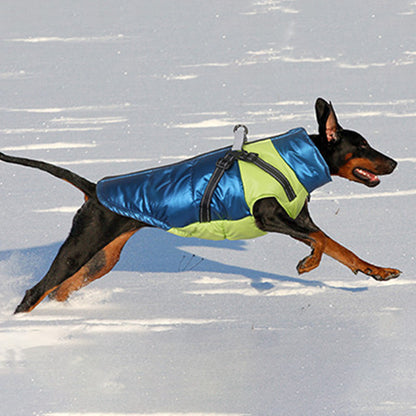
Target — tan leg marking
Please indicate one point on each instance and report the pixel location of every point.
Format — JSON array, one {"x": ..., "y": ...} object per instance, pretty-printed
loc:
[
  {"x": 97, "y": 267},
  {"x": 321, "y": 243}
]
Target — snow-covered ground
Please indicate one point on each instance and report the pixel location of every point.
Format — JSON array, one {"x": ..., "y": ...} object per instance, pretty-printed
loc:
[{"x": 185, "y": 327}]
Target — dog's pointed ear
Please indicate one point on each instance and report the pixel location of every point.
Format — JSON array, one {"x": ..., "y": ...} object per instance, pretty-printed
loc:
[{"x": 327, "y": 120}]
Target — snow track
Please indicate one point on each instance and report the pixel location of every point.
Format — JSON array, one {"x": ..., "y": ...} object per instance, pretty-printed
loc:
[{"x": 186, "y": 327}]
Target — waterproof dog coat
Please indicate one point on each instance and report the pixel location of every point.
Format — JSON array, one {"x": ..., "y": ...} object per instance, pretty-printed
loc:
[{"x": 169, "y": 197}]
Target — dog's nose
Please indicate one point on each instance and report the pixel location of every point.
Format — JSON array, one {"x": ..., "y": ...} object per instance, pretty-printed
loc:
[{"x": 393, "y": 164}]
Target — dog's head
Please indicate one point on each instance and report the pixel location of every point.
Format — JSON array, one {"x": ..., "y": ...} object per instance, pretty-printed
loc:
[{"x": 346, "y": 152}]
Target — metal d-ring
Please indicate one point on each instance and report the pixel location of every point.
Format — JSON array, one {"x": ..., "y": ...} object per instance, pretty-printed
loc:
[{"x": 240, "y": 136}]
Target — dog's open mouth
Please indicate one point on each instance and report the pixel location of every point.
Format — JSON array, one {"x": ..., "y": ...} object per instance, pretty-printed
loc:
[{"x": 369, "y": 178}]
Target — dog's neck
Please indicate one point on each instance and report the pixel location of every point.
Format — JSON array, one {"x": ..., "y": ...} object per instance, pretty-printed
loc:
[{"x": 323, "y": 148}]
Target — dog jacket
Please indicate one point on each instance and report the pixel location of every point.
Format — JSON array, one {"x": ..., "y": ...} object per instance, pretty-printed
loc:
[{"x": 169, "y": 197}]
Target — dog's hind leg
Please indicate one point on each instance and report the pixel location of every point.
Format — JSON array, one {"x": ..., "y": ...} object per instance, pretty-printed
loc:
[
  {"x": 98, "y": 266},
  {"x": 94, "y": 227}
]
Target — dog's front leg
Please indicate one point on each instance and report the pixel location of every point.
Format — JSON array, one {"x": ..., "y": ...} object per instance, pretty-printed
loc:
[
  {"x": 348, "y": 258},
  {"x": 271, "y": 217}
]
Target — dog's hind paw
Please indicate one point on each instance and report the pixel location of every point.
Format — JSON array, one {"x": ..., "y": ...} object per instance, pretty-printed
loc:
[
  {"x": 31, "y": 299},
  {"x": 26, "y": 304}
]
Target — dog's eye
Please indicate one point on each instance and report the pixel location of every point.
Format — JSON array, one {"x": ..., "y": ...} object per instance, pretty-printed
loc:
[{"x": 364, "y": 145}]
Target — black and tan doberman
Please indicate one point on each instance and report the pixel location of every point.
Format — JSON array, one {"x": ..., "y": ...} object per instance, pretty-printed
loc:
[{"x": 98, "y": 235}]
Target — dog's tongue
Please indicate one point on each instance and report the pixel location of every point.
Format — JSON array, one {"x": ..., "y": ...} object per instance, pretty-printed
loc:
[{"x": 373, "y": 179}]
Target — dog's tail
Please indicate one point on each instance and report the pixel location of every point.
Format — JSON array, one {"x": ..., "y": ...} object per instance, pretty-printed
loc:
[{"x": 81, "y": 183}]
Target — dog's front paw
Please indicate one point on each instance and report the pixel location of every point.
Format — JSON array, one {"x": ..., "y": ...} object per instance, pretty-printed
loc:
[
  {"x": 382, "y": 274},
  {"x": 307, "y": 264}
]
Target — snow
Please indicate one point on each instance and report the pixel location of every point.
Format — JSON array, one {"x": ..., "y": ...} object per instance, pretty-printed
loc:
[{"x": 186, "y": 327}]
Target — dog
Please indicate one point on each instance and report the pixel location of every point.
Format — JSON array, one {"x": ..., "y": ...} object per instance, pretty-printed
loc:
[{"x": 98, "y": 233}]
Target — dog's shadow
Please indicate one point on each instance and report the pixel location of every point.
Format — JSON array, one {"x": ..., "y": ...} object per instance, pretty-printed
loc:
[{"x": 160, "y": 252}]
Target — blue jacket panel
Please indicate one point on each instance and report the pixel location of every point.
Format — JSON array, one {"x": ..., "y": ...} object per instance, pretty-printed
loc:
[
  {"x": 301, "y": 154},
  {"x": 169, "y": 196}
]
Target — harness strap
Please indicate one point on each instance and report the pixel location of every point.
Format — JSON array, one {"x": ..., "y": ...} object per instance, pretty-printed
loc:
[
  {"x": 271, "y": 170},
  {"x": 227, "y": 161},
  {"x": 222, "y": 165}
]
